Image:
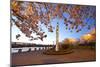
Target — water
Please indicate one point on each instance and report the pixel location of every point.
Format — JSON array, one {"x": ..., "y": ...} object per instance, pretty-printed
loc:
[{"x": 25, "y": 49}]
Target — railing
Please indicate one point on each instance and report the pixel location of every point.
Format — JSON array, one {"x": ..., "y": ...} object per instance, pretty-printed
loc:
[{"x": 35, "y": 49}]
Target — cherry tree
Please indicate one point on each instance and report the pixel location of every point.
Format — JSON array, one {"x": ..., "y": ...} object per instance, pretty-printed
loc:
[{"x": 28, "y": 15}]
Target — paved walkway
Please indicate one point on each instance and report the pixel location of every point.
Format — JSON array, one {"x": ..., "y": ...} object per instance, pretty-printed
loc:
[{"x": 29, "y": 58}]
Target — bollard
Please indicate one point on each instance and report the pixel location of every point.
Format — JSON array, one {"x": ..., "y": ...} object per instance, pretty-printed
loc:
[{"x": 20, "y": 50}]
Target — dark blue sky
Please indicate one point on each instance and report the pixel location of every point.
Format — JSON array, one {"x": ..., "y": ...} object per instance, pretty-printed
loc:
[{"x": 65, "y": 33}]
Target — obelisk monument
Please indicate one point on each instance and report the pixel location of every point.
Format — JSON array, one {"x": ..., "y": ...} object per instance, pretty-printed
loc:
[{"x": 57, "y": 37}]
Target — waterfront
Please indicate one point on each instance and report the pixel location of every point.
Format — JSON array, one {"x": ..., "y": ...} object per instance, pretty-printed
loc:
[{"x": 25, "y": 49}]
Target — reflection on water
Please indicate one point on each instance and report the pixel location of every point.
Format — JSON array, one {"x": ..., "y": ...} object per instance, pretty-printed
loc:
[
  {"x": 25, "y": 49},
  {"x": 15, "y": 50}
]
